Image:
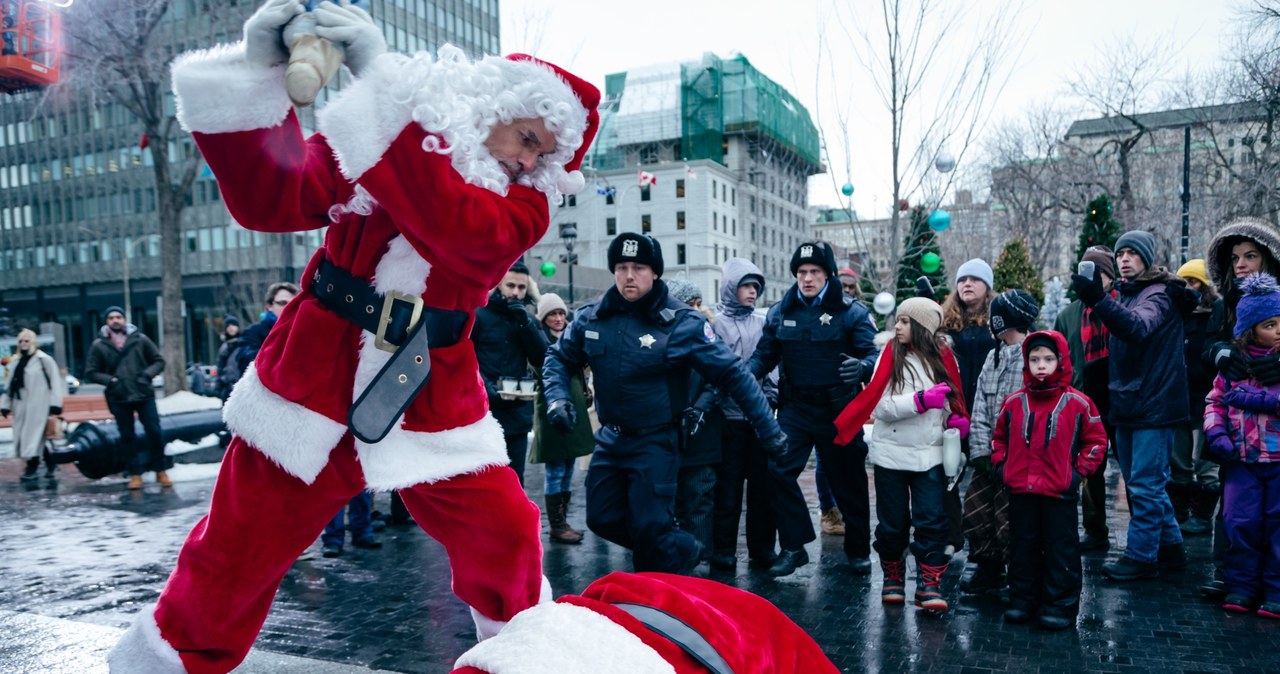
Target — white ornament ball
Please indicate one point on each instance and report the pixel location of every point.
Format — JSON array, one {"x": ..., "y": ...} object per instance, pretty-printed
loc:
[
  {"x": 945, "y": 162},
  {"x": 883, "y": 304}
]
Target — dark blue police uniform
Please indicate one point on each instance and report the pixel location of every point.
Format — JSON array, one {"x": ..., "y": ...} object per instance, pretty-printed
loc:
[
  {"x": 810, "y": 341},
  {"x": 640, "y": 354}
]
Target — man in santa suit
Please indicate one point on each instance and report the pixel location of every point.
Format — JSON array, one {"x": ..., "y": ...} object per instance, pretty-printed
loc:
[
  {"x": 650, "y": 623},
  {"x": 433, "y": 177}
]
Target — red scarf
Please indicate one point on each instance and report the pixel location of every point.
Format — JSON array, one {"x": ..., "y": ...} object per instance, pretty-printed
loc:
[
  {"x": 1093, "y": 335},
  {"x": 856, "y": 413}
]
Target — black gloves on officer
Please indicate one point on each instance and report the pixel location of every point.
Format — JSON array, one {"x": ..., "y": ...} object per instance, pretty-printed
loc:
[
  {"x": 562, "y": 415},
  {"x": 1089, "y": 290},
  {"x": 1231, "y": 362},
  {"x": 691, "y": 421},
  {"x": 851, "y": 371}
]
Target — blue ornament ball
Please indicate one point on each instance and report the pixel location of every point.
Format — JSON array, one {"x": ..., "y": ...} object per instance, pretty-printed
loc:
[
  {"x": 847, "y": 190},
  {"x": 939, "y": 220}
]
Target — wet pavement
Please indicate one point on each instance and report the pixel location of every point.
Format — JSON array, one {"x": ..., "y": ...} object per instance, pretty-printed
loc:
[{"x": 78, "y": 558}]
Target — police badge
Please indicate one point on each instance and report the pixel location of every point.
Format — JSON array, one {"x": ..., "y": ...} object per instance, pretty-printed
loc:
[
  {"x": 630, "y": 248},
  {"x": 806, "y": 251}
]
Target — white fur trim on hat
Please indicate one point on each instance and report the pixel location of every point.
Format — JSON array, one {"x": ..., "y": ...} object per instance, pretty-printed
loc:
[
  {"x": 217, "y": 91},
  {"x": 559, "y": 638},
  {"x": 979, "y": 269},
  {"x": 487, "y": 628},
  {"x": 142, "y": 650},
  {"x": 295, "y": 438},
  {"x": 457, "y": 101}
]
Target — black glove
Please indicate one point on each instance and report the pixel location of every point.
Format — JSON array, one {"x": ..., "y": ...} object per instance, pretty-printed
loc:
[
  {"x": 4, "y": 413},
  {"x": 691, "y": 421},
  {"x": 562, "y": 415},
  {"x": 518, "y": 313},
  {"x": 1088, "y": 290},
  {"x": 998, "y": 471},
  {"x": 775, "y": 446},
  {"x": 1266, "y": 369},
  {"x": 851, "y": 370},
  {"x": 924, "y": 288},
  {"x": 981, "y": 465},
  {"x": 1232, "y": 363},
  {"x": 55, "y": 411},
  {"x": 144, "y": 380}
]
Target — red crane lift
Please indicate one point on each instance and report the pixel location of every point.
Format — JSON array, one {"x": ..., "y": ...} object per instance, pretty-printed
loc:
[{"x": 30, "y": 41}]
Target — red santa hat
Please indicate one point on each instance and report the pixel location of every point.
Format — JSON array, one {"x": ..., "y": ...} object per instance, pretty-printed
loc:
[{"x": 593, "y": 633}]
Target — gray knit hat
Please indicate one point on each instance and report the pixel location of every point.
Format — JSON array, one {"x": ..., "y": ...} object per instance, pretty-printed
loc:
[{"x": 682, "y": 290}]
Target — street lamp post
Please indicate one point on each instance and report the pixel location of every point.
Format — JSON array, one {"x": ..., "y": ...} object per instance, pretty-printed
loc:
[{"x": 569, "y": 234}]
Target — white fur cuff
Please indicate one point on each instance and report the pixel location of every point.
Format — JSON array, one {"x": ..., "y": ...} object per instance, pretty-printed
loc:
[
  {"x": 218, "y": 91},
  {"x": 487, "y": 628},
  {"x": 142, "y": 650},
  {"x": 564, "y": 639},
  {"x": 361, "y": 123}
]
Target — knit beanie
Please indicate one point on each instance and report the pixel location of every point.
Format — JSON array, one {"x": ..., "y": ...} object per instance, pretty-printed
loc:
[
  {"x": 682, "y": 290},
  {"x": 113, "y": 309},
  {"x": 924, "y": 311},
  {"x": 978, "y": 269},
  {"x": 638, "y": 248},
  {"x": 1195, "y": 269},
  {"x": 1041, "y": 339},
  {"x": 230, "y": 320},
  {"x": 1260, "y": 300},
  {"x": 1103, "y": 259},
  {"x": 1013, "y": 310},
  {"x": 1141, "y": 243},
  {"x": 519, "y": 267},
  {"x": 814, "y": 252},
  {"x": 549, "y": 303}
]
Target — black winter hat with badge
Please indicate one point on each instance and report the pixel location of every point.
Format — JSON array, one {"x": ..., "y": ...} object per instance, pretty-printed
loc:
[
  {"x": 814, "y": 252},
  {"x": 637, "y": 248}
]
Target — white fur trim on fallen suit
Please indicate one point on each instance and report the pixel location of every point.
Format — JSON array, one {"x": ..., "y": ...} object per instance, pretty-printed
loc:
[
  {"x": 564, "y": 639},
  {"x": 361, "y": 122},
  {"x": 487, "y": 628},
  {"x": 294, "y": 437},
  {"x": 218, "y": 91},
  {"x": 141, "y": 650}
]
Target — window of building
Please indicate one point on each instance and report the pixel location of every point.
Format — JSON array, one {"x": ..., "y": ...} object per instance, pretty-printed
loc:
[
  {"x": 573, "y": 200},
  {"x": 608, "y": 198},
  {"x": 611, "y": 226},
  {"x": 680, "y": 259},
  {"x": 646, "y": 223},
  {"x": 680, "y": 188},
  {"x": 679, "y": 219},
  {"x": 644, "y": 193}
]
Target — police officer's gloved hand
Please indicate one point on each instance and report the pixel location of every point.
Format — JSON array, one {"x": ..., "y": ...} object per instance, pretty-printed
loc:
[
  {"x": 851, "y": 371},
  {"x": 562, "y": 415},
  {"x": 1089, "y": 290},
  {"x": 1266, "y": 369},
  {"x": 1232, "y": 363},
  {"x": 1252, "y": 399},
  {"x": 518, "y": 313},
  {"x": 775, "y": 446},
  {"x": 691, "y": 421}
]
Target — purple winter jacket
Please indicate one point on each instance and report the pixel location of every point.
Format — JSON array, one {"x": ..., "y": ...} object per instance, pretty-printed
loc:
[{"x": 1249, "y": 413}]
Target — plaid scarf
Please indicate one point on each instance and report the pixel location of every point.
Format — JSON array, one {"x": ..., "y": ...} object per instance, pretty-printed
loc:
[{"x": 1093, "y": 334}]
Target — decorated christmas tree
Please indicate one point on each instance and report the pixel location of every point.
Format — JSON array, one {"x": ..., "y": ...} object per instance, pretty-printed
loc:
[
  {"x": 1014, "y": 269},
  {"x": 1100, "y": 229},
  {"x": 1055, "y": 300},
  {"x": 921, "y": 257}
]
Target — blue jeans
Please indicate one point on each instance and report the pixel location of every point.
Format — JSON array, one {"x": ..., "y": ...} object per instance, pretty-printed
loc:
[
  {"x": 357, "y": 521},
  {"x": 559, "y": 476},
  {"x": 1144, "y": 463}
]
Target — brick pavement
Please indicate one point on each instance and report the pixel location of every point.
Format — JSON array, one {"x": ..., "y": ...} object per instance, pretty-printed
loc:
[{"x": 91, "y": 553}]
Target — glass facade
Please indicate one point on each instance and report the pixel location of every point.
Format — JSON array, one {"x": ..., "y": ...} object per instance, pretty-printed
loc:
[{"x": 78, "y": 206}]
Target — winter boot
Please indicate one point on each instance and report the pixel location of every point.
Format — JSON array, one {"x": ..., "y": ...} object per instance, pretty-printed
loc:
[
  {"x": 894, "y": 589},
  {"x": 1204, "y": 505},
  {"x": 313, "y": 61},
  {"x": 162, "y": 478},
  {"x": 29, "y": 473},
  {"x": 557, "y": 515},
  {"x": 987, "y": 578},
  {"x": 929, "y": 588},
  {"x": 1269, "y": 609},
  {"x": 1127, "y": 569},
  {"x": 832, "y": 523}
]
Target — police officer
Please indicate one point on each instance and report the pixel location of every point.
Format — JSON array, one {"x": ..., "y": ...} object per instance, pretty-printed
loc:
[
  {"x": 824, "y": 342},
  {"x": 641, "y": 345}
]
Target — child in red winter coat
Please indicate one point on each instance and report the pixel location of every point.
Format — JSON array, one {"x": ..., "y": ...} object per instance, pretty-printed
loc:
[{"x": 1048, "y": 435}]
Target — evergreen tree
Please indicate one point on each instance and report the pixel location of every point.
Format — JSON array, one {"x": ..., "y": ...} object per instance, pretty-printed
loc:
[
  {"x": 1055, "y": 300},
  {"x": 1100, "y": 229},
  {"x": 1014, "y": 269},
  {"x": 921, "y": 241}
]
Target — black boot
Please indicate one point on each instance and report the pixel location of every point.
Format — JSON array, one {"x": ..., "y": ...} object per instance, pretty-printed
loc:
[
  {"x": 30, "y": 473},
  {"x": 1204, "y": 505}
]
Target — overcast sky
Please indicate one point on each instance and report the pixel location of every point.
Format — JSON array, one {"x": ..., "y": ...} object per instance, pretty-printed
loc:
[{"x": 596, "y": 37}]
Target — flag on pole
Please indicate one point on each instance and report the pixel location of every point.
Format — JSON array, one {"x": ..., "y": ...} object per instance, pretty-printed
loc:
[
  {"x": 647, "y": 179},
  {"x": 688, "y": 171}
]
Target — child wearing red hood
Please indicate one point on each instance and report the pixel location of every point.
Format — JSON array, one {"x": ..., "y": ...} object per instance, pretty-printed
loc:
[{"x": 1047, "y": 436}]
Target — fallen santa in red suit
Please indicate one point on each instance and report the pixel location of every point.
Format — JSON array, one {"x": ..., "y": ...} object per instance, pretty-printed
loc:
[
  {"x": 650, "y": 623},
  {"x": 433, "y": 177}
]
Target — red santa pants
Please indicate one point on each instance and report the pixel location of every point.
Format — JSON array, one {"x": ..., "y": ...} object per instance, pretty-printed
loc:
[{"x": 262, "y": 518}]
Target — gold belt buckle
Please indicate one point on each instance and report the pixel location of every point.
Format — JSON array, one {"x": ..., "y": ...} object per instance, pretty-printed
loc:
[{"x": 388, "y": 300}]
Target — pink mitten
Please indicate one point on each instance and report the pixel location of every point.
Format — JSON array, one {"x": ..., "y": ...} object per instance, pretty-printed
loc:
[
  {"x": 933, "y": 399},
  {"x": 960, "y": 424}
]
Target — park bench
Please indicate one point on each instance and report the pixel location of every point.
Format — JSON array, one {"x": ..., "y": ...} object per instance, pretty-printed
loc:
[{"x": 77, "y": 408}]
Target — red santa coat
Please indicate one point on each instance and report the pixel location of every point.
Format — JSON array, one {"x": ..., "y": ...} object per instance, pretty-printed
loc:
[
  {"x": 414, "y": 226},
  {"x": 588, "y": 634}
]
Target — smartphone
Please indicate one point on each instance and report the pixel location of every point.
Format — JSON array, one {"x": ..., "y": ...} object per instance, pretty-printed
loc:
[{"x": 1086, "y": 269}]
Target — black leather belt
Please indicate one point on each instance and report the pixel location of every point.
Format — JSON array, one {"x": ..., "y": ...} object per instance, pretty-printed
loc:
[
  {"x": 679, "y": 633},
  {"x": 641, "y": 430},
  {"x": 401, "y": 325}
]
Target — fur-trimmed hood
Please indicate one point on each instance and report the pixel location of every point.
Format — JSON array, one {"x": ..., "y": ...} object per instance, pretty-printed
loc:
[{"x": 1218, "y": 260}]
